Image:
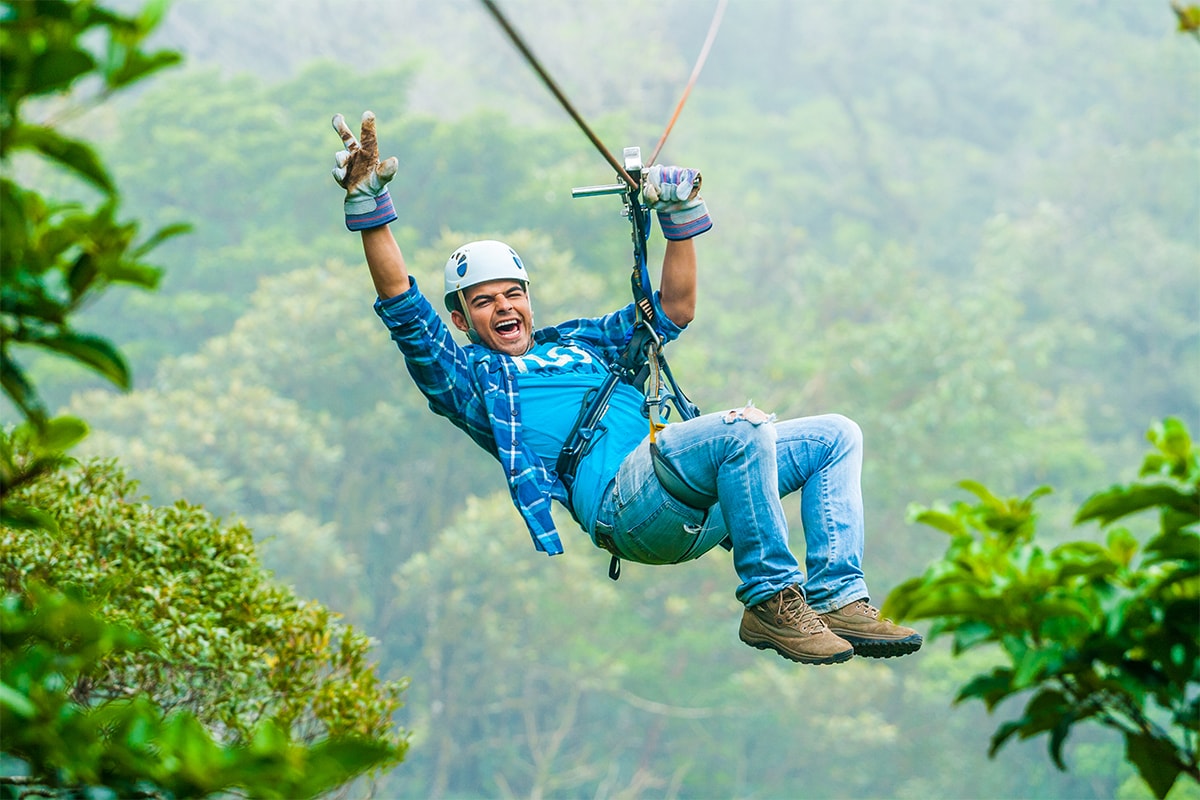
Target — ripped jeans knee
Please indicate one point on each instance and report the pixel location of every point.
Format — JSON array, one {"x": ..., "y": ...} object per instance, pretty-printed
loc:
[{"x": 749, "y": 413}]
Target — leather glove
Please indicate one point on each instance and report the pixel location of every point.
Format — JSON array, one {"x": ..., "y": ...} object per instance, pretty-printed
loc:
[
  {"x": 674, "y": 192},
  {"x": 359, "y": 171}
]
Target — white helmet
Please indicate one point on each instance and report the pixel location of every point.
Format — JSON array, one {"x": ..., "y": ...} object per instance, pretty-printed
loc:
[{"x": 480, "y": 262}]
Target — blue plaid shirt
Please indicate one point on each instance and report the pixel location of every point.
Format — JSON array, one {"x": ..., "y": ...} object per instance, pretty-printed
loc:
[{"x": 476, "y": 389}]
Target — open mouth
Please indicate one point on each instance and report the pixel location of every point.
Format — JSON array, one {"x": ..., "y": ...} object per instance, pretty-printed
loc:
[{"x": 508, "y": 328}]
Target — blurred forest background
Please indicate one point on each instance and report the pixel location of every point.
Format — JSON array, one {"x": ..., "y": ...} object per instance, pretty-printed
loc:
[{"x": 970, "y": 227}]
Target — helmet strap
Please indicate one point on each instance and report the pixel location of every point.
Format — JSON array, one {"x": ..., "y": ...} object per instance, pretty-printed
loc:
[{"x": 472, "y": 334}]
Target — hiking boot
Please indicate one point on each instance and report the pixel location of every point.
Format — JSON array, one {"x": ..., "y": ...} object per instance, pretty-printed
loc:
[
  {"x": 859, "y": 624},
  {"x": 786, "y": 624}
]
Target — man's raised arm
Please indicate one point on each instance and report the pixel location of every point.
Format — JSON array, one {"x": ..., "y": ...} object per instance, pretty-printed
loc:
[
  {"x": 678, "y": 281},
  {"x": 674, "y": 192},
  {"x": 385, "y": 261}
]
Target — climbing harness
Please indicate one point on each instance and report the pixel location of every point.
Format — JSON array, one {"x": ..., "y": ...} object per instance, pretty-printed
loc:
[{"x": 642, "y": 363}]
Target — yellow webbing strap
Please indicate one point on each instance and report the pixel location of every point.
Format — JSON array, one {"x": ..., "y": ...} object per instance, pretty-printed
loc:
[{"x": 654, "y": 393}]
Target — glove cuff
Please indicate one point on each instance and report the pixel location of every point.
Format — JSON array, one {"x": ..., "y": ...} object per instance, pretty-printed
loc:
[
  {"x": 685, "y": 223},
  {"x": 384, "y": 213}
]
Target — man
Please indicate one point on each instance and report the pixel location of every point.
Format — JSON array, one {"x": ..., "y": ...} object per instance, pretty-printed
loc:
[{"x": 518, "y": 392}]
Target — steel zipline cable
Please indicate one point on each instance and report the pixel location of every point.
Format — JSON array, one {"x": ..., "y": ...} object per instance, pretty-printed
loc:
[
  {"x": 553, "y": 87},
  {"x": 519, "y": 43}
]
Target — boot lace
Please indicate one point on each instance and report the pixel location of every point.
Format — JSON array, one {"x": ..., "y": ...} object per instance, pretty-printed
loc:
[
  {"x": 865, "y": 608},
  {"x": 793, "y": 612}
]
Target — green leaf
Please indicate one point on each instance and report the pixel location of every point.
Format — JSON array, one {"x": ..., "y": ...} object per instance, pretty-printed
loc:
[
  {"x": 1058, "y": 737},
  {"x": 1039, "y": 492},
  {"x": 1044, "y": 711},
  {"x": 984, "y": 494},
  {"x": 92, "y": 351},
  {"x": 900, "y": 600},
  {"x": 268, "y": 739},
  {"x": 23, "y": 516},
  {"x": 160, "y": 236},
  {"x": 134, "y": 274},
  {"x": 16, "y": 702},
  {"x": 1156, "y": 761},
  {"x": 1189, "y": 18},
  {"x": 137, "y": 65},
  {"x": 1002, "y": 735},
  {"x": 55, "y": 68},
  {"x": 1175, "y": 545},
  {"x": 61, "y": 434},
  {"x": 152, "y": 14},
  {"x": 1036, "y": 665},
  {"x": 71, "y": 153},
  {"x": 19, "y": 389},
  {"x": 971, "y": 634},
  {"x": 1122, "y": 546},
  {"x": 990, "y": 688},
  {"x": 1121, "y": 501},
  {"x": 1175, "y": 454},
  {"x": 940, "y": 520},
  {"x": 335, "y": 761},
  {"x": 82, "y": 273},
  {"x": 199, "y": 756}
]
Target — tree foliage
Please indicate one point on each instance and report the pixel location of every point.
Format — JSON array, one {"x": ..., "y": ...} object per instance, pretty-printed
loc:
[
  {"x": 1101, "y": 632},
  {"x": 232, "y": 650},
  {"x": 58, "y": 256},
  {"x": 127, "y": 744}
]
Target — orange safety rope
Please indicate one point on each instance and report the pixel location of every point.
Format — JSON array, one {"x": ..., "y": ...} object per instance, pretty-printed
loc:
[{"x": 708, "y": 41}]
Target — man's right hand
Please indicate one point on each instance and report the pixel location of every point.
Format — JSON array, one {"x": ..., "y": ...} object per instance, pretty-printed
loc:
[{"x": 359, "y": 171}]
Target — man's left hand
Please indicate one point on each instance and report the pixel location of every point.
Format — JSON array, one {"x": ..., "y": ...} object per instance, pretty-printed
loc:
[{"x": 674, "y": 192}]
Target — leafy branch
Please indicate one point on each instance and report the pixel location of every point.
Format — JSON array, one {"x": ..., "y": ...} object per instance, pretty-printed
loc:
[
  {"x": 1102, "y": 632},
  {"x": 129, "y": 745},
  {"x": 55, "y": 256}
]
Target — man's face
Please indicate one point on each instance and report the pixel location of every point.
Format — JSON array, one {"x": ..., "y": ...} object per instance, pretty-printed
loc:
[{"x": 501, "y": 314}]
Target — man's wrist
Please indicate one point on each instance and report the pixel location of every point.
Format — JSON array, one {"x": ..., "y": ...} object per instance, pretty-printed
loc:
[
  {"x": 684, "y": 223},
  {"x": 383, "y": 213}
]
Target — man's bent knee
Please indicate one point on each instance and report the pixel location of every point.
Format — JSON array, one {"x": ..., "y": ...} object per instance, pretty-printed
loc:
[
  {"x": 847, "y": 429},
  {"x": 748, "y": 412}
]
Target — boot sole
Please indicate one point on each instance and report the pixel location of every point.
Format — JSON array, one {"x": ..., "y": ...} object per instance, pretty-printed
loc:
[
  {"x": 882, "y": 648},
  {"x": 836, "y": 658}
]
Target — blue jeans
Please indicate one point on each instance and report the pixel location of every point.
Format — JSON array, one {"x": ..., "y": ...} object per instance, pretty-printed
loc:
[{"x": 750, "y": 461}]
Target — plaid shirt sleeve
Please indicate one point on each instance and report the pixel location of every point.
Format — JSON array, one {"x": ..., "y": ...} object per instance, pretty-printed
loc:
[
  {"x": 612, "y": 331},
  {"x": 439, "y": 366}
]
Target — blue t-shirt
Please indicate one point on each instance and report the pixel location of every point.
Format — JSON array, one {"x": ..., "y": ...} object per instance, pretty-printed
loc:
[{"x": 553, "y": 378}]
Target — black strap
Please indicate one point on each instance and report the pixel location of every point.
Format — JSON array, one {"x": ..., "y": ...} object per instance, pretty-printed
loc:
[{"x": 583, "y": 434}]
